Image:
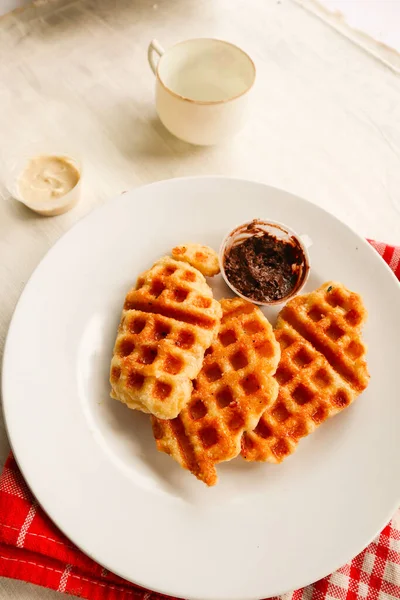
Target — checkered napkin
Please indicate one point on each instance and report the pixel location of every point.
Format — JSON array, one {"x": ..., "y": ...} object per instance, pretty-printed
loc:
[{"x": 34, "y": 550}]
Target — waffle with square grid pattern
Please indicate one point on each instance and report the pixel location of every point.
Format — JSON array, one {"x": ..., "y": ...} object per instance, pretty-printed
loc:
[
  {"x": 232, "y": 390},
  {"x": 168, "y": 321},
  {"x": 321, "y": 371}
]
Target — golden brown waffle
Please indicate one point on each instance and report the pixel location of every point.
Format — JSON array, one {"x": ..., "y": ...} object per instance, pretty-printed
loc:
[
  {"x": 232, "y": 390},
  {"x": 203, "y": 258},
  {"x": 169, "y": 319},
  {"x": 321, "y": 371}
]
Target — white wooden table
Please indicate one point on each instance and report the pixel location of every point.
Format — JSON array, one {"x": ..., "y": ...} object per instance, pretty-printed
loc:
[{"x": 325, "y": 121}]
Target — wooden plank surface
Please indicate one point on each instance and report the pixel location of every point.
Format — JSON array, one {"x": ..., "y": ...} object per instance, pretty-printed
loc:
[
  {"x": 325, "y": 121},
  {"x": 371, "y": 24}
]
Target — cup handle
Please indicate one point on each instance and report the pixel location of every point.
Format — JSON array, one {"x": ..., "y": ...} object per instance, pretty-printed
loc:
[{"x": 154, "y": 47}]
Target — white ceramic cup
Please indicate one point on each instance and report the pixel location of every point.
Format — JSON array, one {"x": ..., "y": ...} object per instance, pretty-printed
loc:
[{"x": 202, "y": 88}]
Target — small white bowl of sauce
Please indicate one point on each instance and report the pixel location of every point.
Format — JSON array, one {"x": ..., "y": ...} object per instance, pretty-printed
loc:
[
  {"x": 265, "y": 262},
  {"x": 48, "y": 183}
]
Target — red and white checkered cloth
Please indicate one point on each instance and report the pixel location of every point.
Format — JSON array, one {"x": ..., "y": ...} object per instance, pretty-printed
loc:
[{"x": 34, "y": 550}]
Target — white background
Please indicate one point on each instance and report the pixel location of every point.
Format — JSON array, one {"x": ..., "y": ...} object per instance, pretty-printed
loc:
[{"x": 325, "y": 122}]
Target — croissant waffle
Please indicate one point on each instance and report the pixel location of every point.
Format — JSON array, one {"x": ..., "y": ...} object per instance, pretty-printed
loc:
[
  {"x": 203, "y": 258},
  {"x": 168, "y": 321},
  {"x": 232, "y": 390},
  {"x": 321, "y": 371}
]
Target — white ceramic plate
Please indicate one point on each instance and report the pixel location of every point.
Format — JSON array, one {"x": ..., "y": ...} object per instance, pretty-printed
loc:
[{"x": 92, "y": 463}]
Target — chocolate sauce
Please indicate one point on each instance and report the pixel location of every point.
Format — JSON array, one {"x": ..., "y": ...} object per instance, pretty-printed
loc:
[{"x": 263, "y": 267}]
